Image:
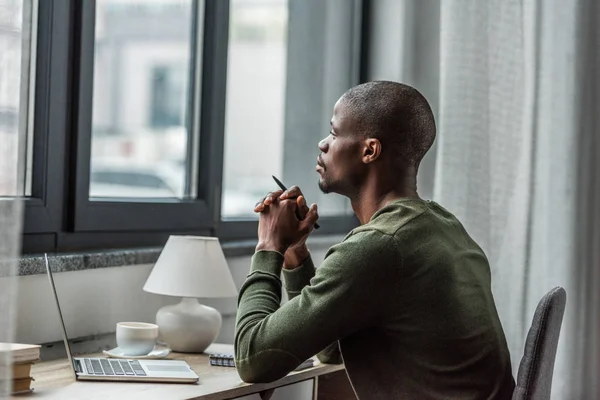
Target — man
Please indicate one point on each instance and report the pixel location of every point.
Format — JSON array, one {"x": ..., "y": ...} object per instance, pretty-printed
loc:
[{"x": 406, "y": 295}]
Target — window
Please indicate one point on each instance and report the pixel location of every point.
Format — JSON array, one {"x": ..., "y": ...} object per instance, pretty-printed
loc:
[
  {"x": 256, "y": 79},
  {"x": 168, "y": 91},
  {"x": 289, "y": 62},
  {"x": 15, "y": 54},
  {"x": 160, "y": 117},
  {"x": 142, "y": 63},
  {"x": 132, "y": 173}
]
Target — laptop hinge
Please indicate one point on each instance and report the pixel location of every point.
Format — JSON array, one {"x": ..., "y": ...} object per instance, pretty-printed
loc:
[{"x": 77, "y": 366}]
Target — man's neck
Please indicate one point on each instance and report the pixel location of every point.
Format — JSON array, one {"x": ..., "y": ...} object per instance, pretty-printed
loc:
[{"x": 377, "y": 193}]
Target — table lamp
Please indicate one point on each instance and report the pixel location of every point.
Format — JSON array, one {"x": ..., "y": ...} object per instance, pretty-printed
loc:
[{"x": 190, "y": 267}]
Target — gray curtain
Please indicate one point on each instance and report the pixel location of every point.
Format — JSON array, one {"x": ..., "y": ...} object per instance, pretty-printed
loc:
[
  {"x": 517, "y": 162},
  {"x": 484, "y": 162}
]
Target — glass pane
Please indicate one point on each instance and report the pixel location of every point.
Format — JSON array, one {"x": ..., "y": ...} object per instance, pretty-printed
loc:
[
  {"x": 15, "y": 55},
  {"x": 142, "y": 87},
  {"x": 287, "y": 67},
  {"x": 256, "y": 76}
]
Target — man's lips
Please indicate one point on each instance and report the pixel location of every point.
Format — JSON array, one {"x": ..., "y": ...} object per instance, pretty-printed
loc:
[{"x": 320, "y": 162}]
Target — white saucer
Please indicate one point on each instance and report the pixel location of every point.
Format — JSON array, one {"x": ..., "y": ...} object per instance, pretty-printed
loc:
[{"x": 158, "y": 352}]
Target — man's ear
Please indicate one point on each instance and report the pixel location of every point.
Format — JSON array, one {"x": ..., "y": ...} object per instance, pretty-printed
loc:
[{"x": 371, "y": 150}]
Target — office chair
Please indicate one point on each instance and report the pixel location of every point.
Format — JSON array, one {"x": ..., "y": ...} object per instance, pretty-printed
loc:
[{"x": 534, "y": 379}]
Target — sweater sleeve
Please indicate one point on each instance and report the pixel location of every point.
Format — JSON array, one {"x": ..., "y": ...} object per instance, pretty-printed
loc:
[
  {"x": 295, "y": 280},
  {"x": 345, "y": 296}
]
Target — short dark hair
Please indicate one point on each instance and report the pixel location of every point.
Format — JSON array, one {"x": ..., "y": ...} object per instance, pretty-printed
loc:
[{"x": 396, "y": 114}]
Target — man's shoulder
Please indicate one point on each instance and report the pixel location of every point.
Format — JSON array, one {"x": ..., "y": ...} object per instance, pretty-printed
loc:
[
  {"x": 409, "y": 221},
  {"x": 367, "y": 251},
  {"x": 369, "y": 241},
  {"x": 396, "y": 216}
]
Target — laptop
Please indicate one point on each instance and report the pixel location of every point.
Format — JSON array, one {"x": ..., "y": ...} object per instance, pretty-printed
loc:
[{"x": 112, "y": 369}]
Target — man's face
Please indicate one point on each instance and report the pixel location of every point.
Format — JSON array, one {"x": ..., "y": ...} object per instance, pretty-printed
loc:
[{"x": 339, "y": 164}]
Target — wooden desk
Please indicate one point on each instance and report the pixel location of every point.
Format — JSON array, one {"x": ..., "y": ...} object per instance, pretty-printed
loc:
[{"x": 55, "y": 380}]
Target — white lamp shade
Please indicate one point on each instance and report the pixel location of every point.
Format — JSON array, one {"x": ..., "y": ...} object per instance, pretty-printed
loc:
[{"x": 191, "y": 266}]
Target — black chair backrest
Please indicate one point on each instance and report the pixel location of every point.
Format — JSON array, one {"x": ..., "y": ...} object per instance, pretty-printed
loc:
[{"x": 534, "y": 380}]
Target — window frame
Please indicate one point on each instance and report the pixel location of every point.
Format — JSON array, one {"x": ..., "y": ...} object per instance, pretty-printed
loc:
[
  {"x": 144, "y": 214},
  {"x": 43, "y": 211},
  {"x": 59, "y": 217}
]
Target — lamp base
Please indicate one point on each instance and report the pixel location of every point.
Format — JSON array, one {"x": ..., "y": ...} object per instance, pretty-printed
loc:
[{"x": 188, "y": 327}]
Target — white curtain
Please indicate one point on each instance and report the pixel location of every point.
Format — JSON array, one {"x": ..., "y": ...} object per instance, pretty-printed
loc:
[
  {"x": 10, "y": 238},
  {"x": 517, "y": 162},
  {"x": 15, "y": 33}
]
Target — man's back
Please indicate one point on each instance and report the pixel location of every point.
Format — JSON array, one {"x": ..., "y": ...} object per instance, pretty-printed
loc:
[
  {"x": 439, "y": 335},
  {"x": 407, "y": 296}
]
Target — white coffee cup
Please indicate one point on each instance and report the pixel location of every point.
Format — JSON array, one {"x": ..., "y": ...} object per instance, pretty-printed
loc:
[{"x": 136, "y": 338}]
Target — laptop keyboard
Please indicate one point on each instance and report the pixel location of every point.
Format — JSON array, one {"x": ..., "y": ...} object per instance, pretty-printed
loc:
[{"x": 103, "y": 366}]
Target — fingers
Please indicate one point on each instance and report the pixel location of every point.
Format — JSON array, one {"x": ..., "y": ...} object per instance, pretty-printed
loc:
[
  {"x": 267, "y": 200},
  {"x": 302, "y": 207},
  {"x": 271, "y": 197},
  {"x": 308, "y": 223},
  {"x": 292, "y": 192}
]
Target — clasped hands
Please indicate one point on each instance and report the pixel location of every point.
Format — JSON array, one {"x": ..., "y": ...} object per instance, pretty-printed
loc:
[{"x": 284, "y": 225}]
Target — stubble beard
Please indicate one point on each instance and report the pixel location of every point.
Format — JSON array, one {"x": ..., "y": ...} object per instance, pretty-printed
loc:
[{"x": 323, "y": 186}]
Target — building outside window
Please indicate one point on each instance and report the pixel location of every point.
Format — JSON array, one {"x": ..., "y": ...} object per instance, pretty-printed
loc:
[{"x": 15, "y": 55}]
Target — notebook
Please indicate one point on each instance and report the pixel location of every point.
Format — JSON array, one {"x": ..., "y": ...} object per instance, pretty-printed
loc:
[{"x": 227, "y": 360}]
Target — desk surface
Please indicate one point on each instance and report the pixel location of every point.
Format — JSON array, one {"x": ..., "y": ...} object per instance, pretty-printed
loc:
[{"x": 55, "y": 380}]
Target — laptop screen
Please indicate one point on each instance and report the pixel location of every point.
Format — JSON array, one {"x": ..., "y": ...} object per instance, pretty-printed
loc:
[{"x": 62, "y": 322}]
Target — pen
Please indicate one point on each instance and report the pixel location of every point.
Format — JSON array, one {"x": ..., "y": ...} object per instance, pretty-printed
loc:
[{"x": 282, "y": 186}]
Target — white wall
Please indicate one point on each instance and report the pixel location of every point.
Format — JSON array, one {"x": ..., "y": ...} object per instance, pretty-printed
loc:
[{"x": 93, "y": 301}]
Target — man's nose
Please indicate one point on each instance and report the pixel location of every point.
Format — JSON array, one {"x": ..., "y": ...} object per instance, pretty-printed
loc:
[{"x": 323, "y": 145}]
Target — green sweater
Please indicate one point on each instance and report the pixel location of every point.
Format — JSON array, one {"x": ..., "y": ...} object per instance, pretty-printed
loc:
[{"x": 408, "y": 298}]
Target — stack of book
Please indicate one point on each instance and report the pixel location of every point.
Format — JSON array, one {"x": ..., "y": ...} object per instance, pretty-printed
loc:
[{"x": 23, "y": 357}]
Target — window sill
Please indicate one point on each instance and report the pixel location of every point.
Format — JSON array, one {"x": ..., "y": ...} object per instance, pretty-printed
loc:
[{"x": 70, "y": 262}]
